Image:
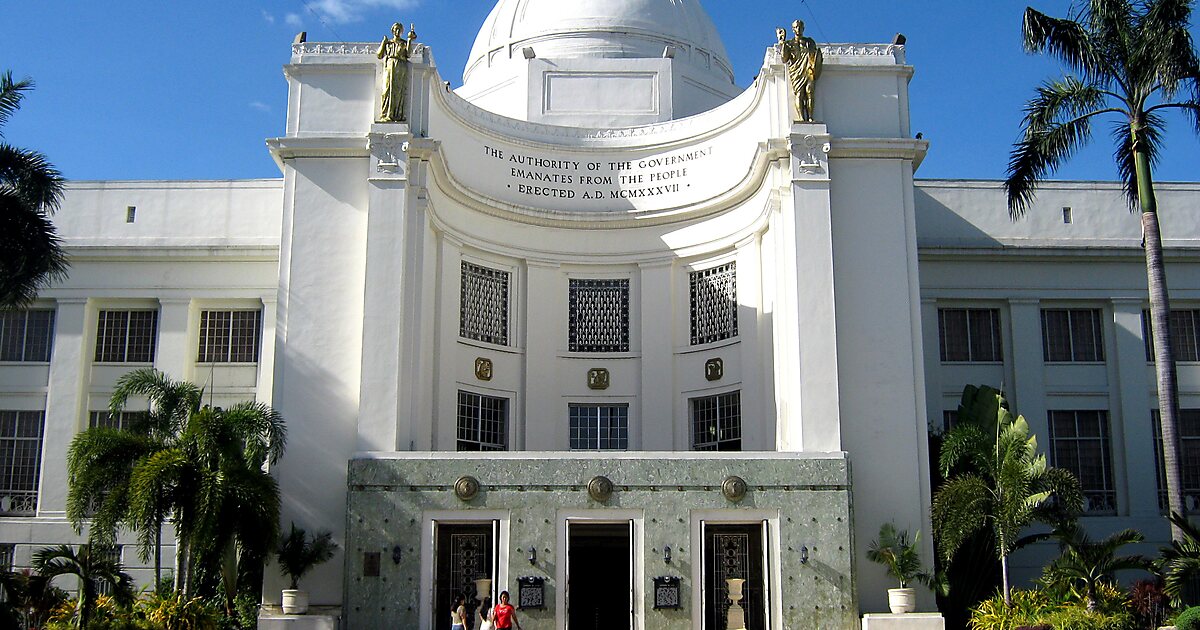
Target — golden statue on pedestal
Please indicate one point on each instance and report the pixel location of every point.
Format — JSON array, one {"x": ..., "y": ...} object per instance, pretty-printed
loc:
[
  {"x": 394, "y": 52},
  {"x": 804, "y": 60}
]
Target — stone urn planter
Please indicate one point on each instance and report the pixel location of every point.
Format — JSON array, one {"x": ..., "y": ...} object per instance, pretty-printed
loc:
[
  {"x": 902, "y": 600},
  {"x": 295, "y": 601}
]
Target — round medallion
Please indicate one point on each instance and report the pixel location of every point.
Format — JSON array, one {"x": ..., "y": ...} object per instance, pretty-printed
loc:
[
  {"x": 466, "y": 488},
  {"x": 600, "y": 488},
  {"x": 734, "y": 488}
]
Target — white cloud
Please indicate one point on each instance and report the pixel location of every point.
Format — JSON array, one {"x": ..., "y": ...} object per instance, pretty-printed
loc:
[
  {"x": 344, "y": 11},
  {"x": 267, "y": 17},
  {"x": 260, "y": 106},
  {"x": 293, "y": 20}
]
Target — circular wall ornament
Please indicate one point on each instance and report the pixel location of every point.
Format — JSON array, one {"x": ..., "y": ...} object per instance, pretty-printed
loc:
[
  {"x": 600, "y": 488},
  {"x": 466, "y": 488},
  {"x": 734, "y": 488}
]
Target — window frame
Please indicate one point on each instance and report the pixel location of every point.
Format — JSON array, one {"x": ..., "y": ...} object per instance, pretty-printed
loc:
[
  {"x": 1191, "y": 492},
  {"x": 207, "y": 338},
  {"x": 622, "y": 284},
  {"x": 476, "y": 431},
  {"x": 1108, "y": 494},
  {"x": 996, "y": 328},
  {"x": 719, "y": 421},
  {"x": 1073, "y": 346},
  {"x": 9, "y": 447},
  {"x": 621, "y": 426},
  {"x": 1178, "y": 342},
  {"x": 26, "y": 342},
  {"x": 102, "y": 344},
  {"x": 496, "y": 270},
  {"x": 695, "y": 281}
]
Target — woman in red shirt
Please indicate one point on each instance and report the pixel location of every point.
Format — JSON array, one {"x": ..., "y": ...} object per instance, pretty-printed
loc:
[{"x": 504, "y": 614}]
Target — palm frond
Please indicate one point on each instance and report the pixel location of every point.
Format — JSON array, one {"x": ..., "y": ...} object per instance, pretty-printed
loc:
[
  {"x": 11, "y": 95},
  {"x": 1064, "y": 39},
  {"x": 30, "y": 176},
  {"x": 261, "y": 428},
  {"x": 171, "y": 401},
  {"x": 1164, "y": 51},
  {"x": 959, "y": 510},
  {"x": 31, "y": 253},
  {"x": 1123, "y": 154}
]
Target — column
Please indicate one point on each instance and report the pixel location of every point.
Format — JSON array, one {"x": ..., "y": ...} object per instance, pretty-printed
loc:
[
  {"x": 933, "y": 361},
  {"x": 657, "y": 396},
  {"x": 1028, "y": 394},
  {"x": 1131, "y": 403},
  {"x": 174, "y": 354},
  {"x": 64, "y": 402},
  {"x": 545, "y": 418},
  {"x": 266, "y": 350}
]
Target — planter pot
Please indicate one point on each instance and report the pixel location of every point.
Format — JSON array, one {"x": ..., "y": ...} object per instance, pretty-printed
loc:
[
  {"x": 295, "y": 601},
  {"x": 902, "y": 600}
]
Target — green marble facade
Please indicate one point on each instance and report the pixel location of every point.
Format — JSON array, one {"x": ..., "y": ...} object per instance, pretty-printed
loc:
[{"x": 396, "y": 499}]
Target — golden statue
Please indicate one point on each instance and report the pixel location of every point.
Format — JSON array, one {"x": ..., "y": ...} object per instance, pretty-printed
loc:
[
  {"x": 394, "y": 52},
  {"x": 804, "y": 60}
]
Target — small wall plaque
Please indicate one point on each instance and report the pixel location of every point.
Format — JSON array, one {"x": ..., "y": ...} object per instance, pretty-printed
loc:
[
  {"x": 734, "y": 488},
  {"x": 714, "y": 369},
  {"x": 483, "y": 369},
  {"x": 370, "y": 564},
  {"x": 531, "y": 593},
  {"x": 600, "y": 488},
  {"x": 666, "y": 593},
  {"x": 597, "y": 378},
  {"x": 466, "y": 488}
]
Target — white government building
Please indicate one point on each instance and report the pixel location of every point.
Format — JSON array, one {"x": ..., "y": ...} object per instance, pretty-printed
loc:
[{"x": 605, "y": 327}]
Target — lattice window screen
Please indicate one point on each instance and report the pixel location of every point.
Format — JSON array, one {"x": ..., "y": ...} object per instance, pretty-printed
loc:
[
  {"x": 599, "y": 315},
  {"x": 483, "y": 306},
  {"x": 714, "y": 304}
]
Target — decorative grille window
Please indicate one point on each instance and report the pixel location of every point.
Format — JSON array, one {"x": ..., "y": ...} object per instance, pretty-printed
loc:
[
  {"x": 229, "y": 336},
  {"x": 1189, "y": 458},
  {"x": 20, "y": 461},
  {"x": 714, "y": 304},
  {"x": 1185, "y": 334},
  {"x": 599, "y": 315},
  {"x": 112, "y": 553},
  {"x": 126, "y": 336},
  {"x": 482, "y": 422},
  {"x": 1080, "y": 443},
  {"x": 599, "y": 427},
  {"x": 970, "y": 334},
  {"x": 125, "y": 420},
  {"x": 717, "y": 422},
  {"x": 1072, "y": 335},
  {"x": 483, "y": 305},
  {"x": 26, "y": 335}
]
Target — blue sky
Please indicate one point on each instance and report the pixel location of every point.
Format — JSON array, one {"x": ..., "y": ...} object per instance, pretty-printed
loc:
[{"x": 141, "y": 89}]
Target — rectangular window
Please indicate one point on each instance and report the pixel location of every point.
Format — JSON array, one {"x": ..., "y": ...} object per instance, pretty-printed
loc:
[
  {"x": 1189, "y": 458},
  {"x": 1185, "y": 334},
  {"x": 126, "y": 336},
  {"x": 970, "y": 334},
  {"x": 1080, "y": 443},
  {"x": 20, "y": 461},
  {"x": 599, "y": 315},
  {"x": 714, "y": 304},
  {"x": 949, "y": 419},
  {"x": 126, "y": 420},
  {"x": 482, "y": 422},
  {"x": 26, "y": 335},
  {"x": 229, "y": 336},
  {"x": 717, "y": 422},
  {"x": 1072, "y": 335},
  {"x": 599, "y": 427},
  {"x": 483, "y": 304}
]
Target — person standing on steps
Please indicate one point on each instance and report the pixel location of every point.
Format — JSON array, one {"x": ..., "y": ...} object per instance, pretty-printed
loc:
[{"x": 504, "y": 615}]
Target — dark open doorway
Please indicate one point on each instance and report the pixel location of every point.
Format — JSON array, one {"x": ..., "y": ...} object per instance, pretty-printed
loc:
[
  {"x": 465, "y": 552},
  {"x": 599, "y": 586},
  {"x": 734, "y": 551}
]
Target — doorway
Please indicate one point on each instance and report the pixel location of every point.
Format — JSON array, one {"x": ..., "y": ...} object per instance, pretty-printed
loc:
[
  {"x": 599, "y": 576},
  {"x": 735, "y": 551},
  {"x": 464, "y": 552}
]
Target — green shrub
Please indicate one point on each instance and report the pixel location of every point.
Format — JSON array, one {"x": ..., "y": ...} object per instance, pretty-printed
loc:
[
  {"x": 1028, "y": 607},
  {"x": 1188, "y": 619},
  {"x": 1038, "y": 609},
  {"x": 1079, "y": 618}
]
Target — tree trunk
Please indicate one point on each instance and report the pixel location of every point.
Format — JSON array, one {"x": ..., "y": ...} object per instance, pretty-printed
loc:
[
  {"x": 181, "y": 565},
  {"x": 1164, "y": 356},
  {"x": 158, "y": 555},
  {"x": 1004, "y": 578}
]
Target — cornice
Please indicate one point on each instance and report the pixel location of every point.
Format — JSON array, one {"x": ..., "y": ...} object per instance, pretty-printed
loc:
[
  {"x": 326, "y": 146},
  {"x": 879, "y": 148}
]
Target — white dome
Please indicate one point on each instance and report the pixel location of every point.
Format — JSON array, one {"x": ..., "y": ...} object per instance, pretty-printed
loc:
[{"x": 565, "y": 29}]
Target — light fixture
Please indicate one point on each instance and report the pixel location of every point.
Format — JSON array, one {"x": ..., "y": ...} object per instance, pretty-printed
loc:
[
  {"x": 397, "y": 554},
  {"x": 533, "y": 555},
  {"x": 669, "y": 52},
  {"x": 528, "y": 53},
  {"x": 804, "y": 554},
  {"x": 667, "y": 554}
]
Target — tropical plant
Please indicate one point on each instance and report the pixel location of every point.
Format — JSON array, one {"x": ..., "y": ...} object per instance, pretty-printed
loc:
[
  {"x": 1086, "y": 564},
  {"x": 1189, "y": 619},
  {"x": 29, "y": 598},
  {"x": 900, "y": 556},
  {"x": 1179, "y": 564},
  {"x": 1151, "y": 605},
  {"x": 1008, "y": 487},
  {"x": 92, "y": 566},
  {"x": 298, "y": 554},
  {"x": 1030, "y": 609},
  {"x": 1136, "y": 61},
  {"x": 202, "y": 466},
  {"x": 176, "y": 612},
  {"x": 31, "y": 190}
]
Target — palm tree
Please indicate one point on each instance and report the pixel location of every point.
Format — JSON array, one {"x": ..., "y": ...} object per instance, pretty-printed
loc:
[
  {"x": 30, "y": 191},
  {"x": 1134, "y": 61},
  {"x": 201, "y": 466},
  {"x": 1086, "y": 564},
  {"x": 103, "y": 464},
  {"x": 1179, "y": 564},
  {"x": 92, "y": 567},
  {"x": 1008, "y": 486}
]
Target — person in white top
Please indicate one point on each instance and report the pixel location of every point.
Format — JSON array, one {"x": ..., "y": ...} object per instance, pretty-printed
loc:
[{"x": 485, "y": 614}]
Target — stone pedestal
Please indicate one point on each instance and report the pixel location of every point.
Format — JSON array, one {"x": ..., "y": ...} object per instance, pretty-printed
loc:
[{"x": 907, "y": 621}]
